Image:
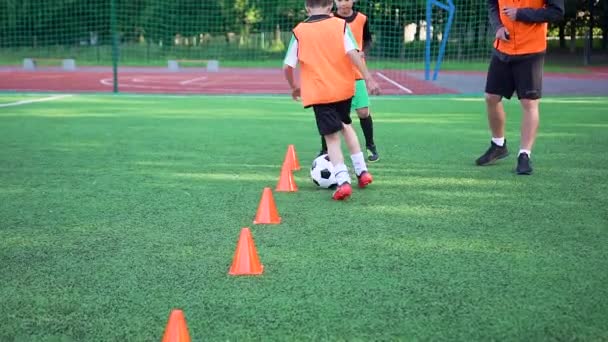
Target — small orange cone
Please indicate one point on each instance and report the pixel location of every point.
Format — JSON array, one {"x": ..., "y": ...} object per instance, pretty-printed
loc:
[
  {"x": 246, "y": 260},
  {"x": 176, "y": 330},
  {"x": 286, "y": 182},
  {"x": 267, "y": 210},
  {"x": 291, "y": 159}
]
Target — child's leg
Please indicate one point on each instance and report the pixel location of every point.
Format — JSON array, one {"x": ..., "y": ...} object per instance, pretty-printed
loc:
[
  {"x": 351, "y": 139},
  {"x": 364, "y": 177},
  {"x": 361, "y": 105},
  {"x": 330, "y": 125},
  {"x": 352, "y": 142},
  {"x": 367, "y": 125},
  {"x": 323, "y": 146},
  {"x": 337, "y": 159},
  {"x": 333, "y": 148}
]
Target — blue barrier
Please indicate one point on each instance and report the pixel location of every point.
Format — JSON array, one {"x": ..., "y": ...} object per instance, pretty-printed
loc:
[{"x": 444, "y": 39}]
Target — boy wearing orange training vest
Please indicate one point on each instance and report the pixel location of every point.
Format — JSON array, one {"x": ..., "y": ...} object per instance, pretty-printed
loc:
[
  {"x": 359, "y": 26},
  {"x": 326, "y": 51}
]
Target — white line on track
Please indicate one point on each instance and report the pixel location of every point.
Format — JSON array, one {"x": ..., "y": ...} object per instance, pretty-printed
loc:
[
  {"x": 407, "y": 90},
  {"x": 193, "y": 80}
]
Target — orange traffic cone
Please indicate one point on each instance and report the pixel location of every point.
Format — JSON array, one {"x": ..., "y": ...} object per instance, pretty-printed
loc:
[
  {"x": 176, "y": 330},
  {"x": 291, "y": 159},
  {"x": 267, "y": 210},
  {"x": 286, "y": 181},
  {"x": 246, "y": 260}
]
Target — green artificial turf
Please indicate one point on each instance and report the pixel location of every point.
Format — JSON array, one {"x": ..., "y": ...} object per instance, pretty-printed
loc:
[{"x": 114, "y": 210}]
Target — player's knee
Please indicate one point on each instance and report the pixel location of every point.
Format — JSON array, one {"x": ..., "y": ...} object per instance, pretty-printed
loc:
[
  {"x": 493, "y": 99},
  {"x": 332, "y": 138},
  {"x": 529, "y": 106},
  {"x": 363, "y": 113}
]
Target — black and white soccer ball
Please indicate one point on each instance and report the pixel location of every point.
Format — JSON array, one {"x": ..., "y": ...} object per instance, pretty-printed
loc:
[{"x": 322, "y": 172}]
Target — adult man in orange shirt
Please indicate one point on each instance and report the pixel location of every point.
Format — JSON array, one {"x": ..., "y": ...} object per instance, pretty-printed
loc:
[{"x": 517, "y": 65}]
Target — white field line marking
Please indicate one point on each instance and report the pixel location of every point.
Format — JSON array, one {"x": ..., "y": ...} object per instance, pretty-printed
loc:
[
  {"x": 193, "y": 80},
  {"x": 107, "y": 81},
  {"x": 24, "y": 102},
  {"x": 407, "y": 90},
  {"x": 147, "y": 84},
  {"x": 168, "y": 87}
]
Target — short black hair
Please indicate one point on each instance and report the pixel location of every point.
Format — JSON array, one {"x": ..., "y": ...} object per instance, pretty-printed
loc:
[{"x": 319, "y": 3}]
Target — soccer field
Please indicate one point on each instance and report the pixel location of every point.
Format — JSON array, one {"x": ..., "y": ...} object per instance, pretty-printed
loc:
[{"x": 114, "y": 210}]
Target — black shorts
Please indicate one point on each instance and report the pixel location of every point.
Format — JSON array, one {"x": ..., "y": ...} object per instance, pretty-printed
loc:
[
  {"x": 331, "y": 116},
  {"x": 523, "y": 74}
]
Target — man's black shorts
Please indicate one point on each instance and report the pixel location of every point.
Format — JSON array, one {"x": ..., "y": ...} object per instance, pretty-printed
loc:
[
  {"x": 331, "y": 116},
  {"x": 523, "y": 74}
]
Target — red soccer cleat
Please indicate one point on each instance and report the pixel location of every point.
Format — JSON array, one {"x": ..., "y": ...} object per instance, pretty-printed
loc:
[
  {"x": 342, "y": 192},
  {"x": 365, "y": 179}
]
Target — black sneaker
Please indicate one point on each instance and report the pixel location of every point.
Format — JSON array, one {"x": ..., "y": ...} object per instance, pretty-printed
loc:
[
  {"x": 372, "y": 154},
  {"x": 523, "y": 164},
  {"x": 493, "y": 154}
]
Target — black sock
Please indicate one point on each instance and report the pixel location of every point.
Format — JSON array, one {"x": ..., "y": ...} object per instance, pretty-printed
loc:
[
  {"x": 367, "y": 125},
  {"x": 323, "y": 144}
]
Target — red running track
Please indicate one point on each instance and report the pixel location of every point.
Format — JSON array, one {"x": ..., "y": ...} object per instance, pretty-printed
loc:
[{"x": 195, "y": 81}]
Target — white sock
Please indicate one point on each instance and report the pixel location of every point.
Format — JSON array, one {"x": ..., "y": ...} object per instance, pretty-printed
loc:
[
  {"x": 342, "y": 175},
  {"x": 528, "y": 152},
  {"x": 359, "y": 163},
  {"x": 499, "y": 141}
]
